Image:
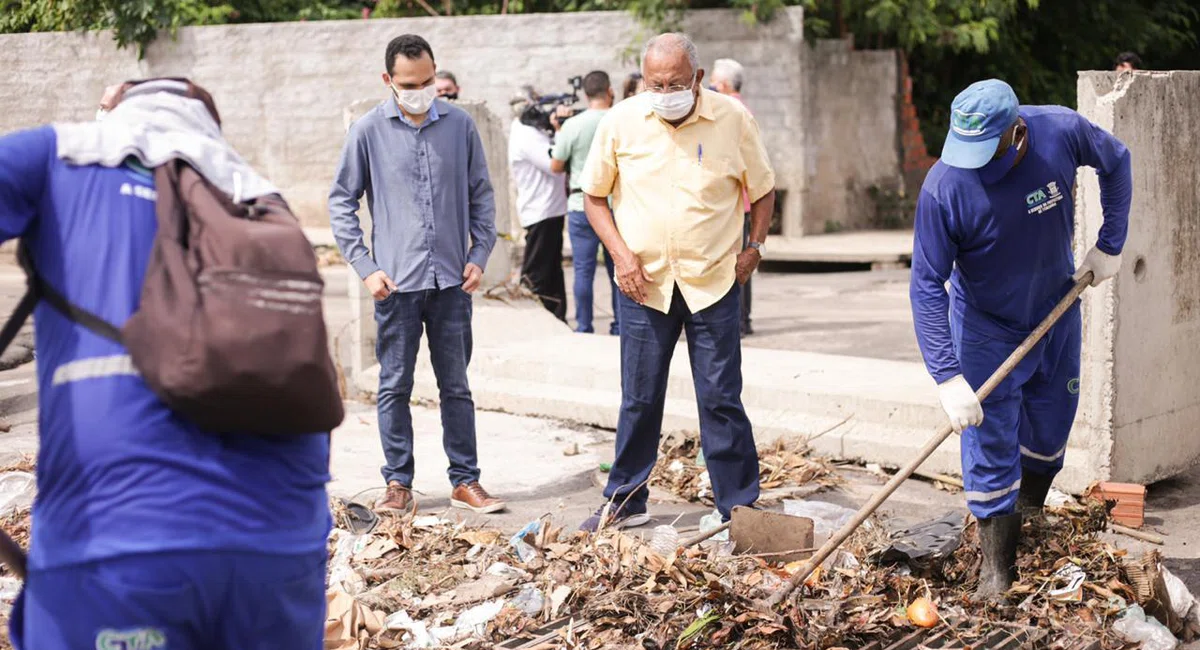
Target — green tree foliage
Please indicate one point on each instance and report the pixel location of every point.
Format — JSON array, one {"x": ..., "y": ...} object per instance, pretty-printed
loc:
[{"x": 1037, "y": 47}]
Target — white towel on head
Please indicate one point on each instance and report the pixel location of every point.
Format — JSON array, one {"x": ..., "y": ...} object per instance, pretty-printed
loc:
[{"x": 155, "y": 123}]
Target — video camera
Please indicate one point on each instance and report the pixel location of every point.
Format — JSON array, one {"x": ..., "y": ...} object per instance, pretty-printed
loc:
[{"x": 539, "y": 112}]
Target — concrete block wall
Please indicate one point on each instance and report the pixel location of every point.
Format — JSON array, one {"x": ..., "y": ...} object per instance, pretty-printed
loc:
[
  {"x": 281, "y": 87},
  {"x": 1140, "y": 393},
  {"x": 853, "y": 133}
]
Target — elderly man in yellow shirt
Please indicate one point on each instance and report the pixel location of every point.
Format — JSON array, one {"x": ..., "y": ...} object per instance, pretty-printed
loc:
[{"x": 675, "y": 160}]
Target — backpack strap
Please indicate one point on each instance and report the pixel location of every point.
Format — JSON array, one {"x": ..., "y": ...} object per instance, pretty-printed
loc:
[{"x": 40, "y": 290}]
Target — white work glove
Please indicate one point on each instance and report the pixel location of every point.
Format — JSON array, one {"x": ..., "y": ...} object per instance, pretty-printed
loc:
[
  {"x": 1102, "y": 265},
  {"x": 960, "y": 403}
]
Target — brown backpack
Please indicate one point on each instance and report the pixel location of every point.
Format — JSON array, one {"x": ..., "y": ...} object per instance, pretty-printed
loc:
[{"x": 229, "y": 331}]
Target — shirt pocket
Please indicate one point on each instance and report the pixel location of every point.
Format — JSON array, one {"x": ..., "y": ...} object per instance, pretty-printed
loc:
[{"x": 710, "y": 181}]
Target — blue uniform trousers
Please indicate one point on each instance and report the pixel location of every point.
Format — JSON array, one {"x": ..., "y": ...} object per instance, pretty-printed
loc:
[{"x": 1026, "y": 420}]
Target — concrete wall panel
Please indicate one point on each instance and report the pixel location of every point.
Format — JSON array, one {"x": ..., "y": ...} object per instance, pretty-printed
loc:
[
  {"x": 281, "y": 87},
  {"x": 853, "y": 133},
  {"x": 1143, "y": 364}
]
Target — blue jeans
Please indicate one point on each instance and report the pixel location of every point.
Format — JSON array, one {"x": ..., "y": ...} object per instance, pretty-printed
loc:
[
  {"x": 400, "y": 318},
  {"x": 648, "y": 339},
  {"x": 584, "y": 245},
  {"x": 180, "y": 600}
]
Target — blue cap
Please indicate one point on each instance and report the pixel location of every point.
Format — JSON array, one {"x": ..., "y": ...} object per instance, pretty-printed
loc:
[{"x": 978, "y": 117}]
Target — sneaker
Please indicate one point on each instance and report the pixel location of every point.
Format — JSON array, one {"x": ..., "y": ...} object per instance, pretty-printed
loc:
[
  {"x": 630, "y": 516},
  {"x": 398, "y": 498},
  {"x": 471, "y": 496}
]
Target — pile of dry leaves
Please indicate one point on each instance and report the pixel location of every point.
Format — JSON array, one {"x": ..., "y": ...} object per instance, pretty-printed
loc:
[
  {"x": 430, "y": 582},
  {"x": 786, "y": 468}
]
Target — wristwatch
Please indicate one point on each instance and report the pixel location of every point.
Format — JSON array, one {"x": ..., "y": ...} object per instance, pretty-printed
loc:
[{"x": 758, "y": 246}]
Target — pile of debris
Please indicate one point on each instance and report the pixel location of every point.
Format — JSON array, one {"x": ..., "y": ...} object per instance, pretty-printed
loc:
[
  {"x": 786, "y": 468},
  {"x": 17, "y": 486},
  {"x": 424, "y": 581}
]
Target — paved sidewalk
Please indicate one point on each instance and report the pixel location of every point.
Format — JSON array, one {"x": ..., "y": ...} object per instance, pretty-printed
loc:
[{"x": 862, "y": 314}]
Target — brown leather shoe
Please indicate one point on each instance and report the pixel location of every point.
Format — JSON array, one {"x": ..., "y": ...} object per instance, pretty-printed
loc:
[
  {"x": 397, "y": 499},
  {"x": 472, "y": 496}
]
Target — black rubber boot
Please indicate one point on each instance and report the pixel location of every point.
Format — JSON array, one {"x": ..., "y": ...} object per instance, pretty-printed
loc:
[
  {"x": 998, "y": 537},
  {"x": 1034, "y": 488}
]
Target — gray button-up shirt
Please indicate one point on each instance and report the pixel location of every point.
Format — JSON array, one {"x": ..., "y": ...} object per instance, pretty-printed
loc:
[{"x": 428, "y": 191}]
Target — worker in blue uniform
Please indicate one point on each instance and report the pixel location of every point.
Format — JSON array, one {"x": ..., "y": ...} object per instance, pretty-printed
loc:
[
  {"x": 147, "y": 531},
  {"x": 995, "y": 218}
]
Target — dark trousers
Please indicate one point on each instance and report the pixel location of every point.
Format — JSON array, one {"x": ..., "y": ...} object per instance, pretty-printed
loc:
[
  {"x": 648, "y": 339},
  {"x": 542, "y": 269},
  {"x": 584, "y": 245},
  {"x": 746, "y": 287},
  {"x": 445, "y": 315}
]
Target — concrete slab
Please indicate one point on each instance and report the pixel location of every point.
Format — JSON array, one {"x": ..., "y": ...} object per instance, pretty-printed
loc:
[{"x": 883, "y": 410}]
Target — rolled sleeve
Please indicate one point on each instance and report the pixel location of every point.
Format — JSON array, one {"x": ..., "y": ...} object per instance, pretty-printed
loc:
[
  {"x": 757, "y": 176},
  {"x": 349, "y": 183},
  {"x": 600, "y": 171}
]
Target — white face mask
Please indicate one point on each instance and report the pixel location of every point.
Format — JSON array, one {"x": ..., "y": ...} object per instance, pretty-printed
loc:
[
  {"x": 673, "y": 106},
  {"x": 416, "y": 102},
  {"x": 100, "y": 113}
]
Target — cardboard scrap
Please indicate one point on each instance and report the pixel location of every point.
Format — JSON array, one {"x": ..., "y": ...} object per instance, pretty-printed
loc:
[{"x": 349, "y": 625}]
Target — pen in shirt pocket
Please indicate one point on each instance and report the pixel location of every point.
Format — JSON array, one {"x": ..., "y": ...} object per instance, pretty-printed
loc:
[{"x": 699, "y": 153}]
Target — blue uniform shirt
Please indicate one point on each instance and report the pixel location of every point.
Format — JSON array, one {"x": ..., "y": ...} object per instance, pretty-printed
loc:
[
  {"x": 432, "y": 205},
  {"x": 1005, "y": 243},
  {"x": 118, "y": 472}
]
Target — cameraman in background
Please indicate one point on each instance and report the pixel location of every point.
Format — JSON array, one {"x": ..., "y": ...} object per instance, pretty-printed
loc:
[
  {"x": 571, "y": 148},
  {"x": 541, "y": 202}
]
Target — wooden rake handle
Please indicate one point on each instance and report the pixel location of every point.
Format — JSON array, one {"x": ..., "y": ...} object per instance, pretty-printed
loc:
[{"x": 891, "y": 486}]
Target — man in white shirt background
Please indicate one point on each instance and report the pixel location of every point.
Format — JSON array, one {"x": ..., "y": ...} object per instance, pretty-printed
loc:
[{"x": 541, "y": 206}]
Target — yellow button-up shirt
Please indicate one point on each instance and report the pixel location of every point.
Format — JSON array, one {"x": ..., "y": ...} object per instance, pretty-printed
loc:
[{"x": 677, "y": 192}]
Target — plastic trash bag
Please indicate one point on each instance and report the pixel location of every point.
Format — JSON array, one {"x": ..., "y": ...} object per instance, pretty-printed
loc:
[
  {"x": 1135, "y": 627},
  {"x": 827, "y": 518}
]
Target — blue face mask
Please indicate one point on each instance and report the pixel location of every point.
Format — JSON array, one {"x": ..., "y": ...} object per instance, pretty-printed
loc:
[{"x": 999, "y": 167}]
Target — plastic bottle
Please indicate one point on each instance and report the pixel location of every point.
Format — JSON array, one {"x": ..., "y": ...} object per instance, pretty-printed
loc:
[{"x": 665, "y": 540}]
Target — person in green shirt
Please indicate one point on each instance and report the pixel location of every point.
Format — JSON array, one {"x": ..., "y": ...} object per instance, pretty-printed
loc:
[{"x": 571, "y": 146}]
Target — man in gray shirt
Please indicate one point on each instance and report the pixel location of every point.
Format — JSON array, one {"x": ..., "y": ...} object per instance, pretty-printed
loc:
[{"x": 420, "y": 162}]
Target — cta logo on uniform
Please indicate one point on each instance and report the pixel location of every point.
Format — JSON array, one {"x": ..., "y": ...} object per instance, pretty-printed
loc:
[
  {"x": 143, "y": 638},
  {"x": 1043, "y": 198}
]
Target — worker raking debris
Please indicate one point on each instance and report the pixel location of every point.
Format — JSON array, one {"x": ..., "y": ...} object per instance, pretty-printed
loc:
[{"x": 995, "y": 217}]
